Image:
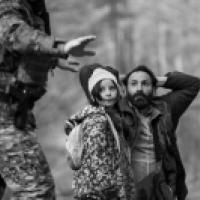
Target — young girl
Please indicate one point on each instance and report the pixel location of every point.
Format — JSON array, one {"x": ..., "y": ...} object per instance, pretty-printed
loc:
[{"x": 104, "y": 173}]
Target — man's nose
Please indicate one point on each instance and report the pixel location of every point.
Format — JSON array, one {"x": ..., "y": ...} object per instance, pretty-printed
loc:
[{"x": 139, "y": 87}]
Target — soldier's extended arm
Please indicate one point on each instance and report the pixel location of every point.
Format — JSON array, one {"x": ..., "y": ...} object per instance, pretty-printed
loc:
[{"x": 18, "y": 35}]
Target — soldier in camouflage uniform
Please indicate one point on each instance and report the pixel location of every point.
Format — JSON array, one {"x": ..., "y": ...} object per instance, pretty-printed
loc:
[{"x": 27, "y": 53}]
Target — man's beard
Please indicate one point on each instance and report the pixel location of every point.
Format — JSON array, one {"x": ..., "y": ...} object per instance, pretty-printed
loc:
[{"x": 140, "y": 100}]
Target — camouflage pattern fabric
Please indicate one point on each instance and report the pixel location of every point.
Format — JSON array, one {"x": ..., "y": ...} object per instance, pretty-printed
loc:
[
  {"x": 2, "y": 187},
  {"x": 23, "y": 32},
  {"x": 27, "y": 54},
  {"x": 23, "y": 165}
]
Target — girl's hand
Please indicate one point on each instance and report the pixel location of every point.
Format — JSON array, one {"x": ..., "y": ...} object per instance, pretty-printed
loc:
[{"x": 68, "y": 126}]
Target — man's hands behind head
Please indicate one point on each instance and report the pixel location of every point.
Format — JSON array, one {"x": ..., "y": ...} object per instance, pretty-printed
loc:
[{"x": 161, "y": 80}]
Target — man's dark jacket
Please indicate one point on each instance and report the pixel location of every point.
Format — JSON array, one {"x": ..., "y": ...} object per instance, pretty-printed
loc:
[{"x": 171, "y": 106}]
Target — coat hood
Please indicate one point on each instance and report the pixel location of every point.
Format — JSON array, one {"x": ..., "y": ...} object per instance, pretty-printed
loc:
[{"x": 86, "y": 73}]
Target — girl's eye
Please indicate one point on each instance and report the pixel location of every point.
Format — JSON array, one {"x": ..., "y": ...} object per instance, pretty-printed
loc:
[
  {"x": 102, "y": 89},
  {"x": 112, "y": 87},
  {"x": 133, "y": 83}
]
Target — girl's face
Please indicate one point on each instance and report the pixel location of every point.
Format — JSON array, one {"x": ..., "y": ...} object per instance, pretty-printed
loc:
[{"x": 108, "y": 93}]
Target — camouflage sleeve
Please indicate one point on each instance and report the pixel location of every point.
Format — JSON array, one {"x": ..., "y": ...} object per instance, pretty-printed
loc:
[{"x": 16, "y": 33}]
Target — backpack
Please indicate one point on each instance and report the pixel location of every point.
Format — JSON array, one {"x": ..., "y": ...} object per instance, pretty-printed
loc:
[
  {"x": 74, "y": 147},
  {"x": 74, "y": 144}
]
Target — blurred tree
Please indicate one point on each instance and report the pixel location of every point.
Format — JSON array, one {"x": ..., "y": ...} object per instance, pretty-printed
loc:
[{"x": 120, "y": 31}]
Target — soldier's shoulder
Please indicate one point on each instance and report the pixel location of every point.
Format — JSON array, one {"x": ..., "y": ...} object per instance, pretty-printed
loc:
[{"x": 8, "y": 5}]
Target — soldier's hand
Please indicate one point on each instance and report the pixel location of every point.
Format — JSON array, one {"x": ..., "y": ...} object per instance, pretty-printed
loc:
[
  {"x": 76, "y": 47},
  {"x": 68, "y": 65}
]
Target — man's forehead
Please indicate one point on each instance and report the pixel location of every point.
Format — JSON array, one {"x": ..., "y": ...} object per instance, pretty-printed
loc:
[
  {"x": 33, "y": 0},
  {"x": 140, "y": 76}
]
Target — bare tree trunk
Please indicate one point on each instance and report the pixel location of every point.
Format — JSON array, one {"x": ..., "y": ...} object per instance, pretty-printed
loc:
[
  {"x": 122, "y": 35},
  {"x": 129, "y": 37},
  {"x": 178, "y": 59},
  {"x": 137, "y": 41},
  {"x": 114, "y": 31},
  {"x": 162, "y": 53},
  {"x": 178, "y": 62}
]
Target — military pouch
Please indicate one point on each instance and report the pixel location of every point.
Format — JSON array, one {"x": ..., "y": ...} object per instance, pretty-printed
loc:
[
  {"x": 21, "y": 91},
  {"x": 25, "y": 96},
  {"x": 33, "y": 69},
  {"x": 24, "y": 120}
]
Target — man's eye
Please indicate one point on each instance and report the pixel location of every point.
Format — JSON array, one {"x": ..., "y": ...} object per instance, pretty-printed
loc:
[{"x": 146, "y": 84}]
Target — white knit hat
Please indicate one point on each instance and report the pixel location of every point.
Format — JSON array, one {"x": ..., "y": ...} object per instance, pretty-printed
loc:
[{"x": 98, "y": 75}]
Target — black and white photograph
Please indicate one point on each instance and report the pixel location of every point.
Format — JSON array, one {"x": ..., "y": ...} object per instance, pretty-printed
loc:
[{"x": 99, "y": 100}]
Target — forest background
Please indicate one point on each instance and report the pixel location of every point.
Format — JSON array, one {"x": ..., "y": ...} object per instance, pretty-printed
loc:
[{"x": 162, "y": 34}]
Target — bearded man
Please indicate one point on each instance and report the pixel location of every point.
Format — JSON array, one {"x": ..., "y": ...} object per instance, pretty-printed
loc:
[{"x": 152, "y": 119}]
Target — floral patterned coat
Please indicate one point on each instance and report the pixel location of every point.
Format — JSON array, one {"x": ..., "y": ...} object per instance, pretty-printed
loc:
[{"x": 105, "y": 172}]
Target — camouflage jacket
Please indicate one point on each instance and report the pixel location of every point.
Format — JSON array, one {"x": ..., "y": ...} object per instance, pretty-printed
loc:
[{"x": 26, "y": 50}]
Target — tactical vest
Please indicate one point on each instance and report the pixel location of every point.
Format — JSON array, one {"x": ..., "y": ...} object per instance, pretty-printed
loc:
[{"x": 28, "y": 69}]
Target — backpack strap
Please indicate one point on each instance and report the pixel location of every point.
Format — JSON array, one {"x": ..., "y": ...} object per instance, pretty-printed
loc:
[{"x": 114, "y": 131}]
